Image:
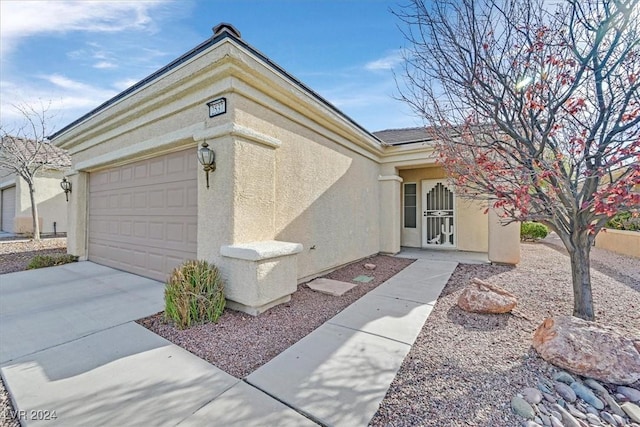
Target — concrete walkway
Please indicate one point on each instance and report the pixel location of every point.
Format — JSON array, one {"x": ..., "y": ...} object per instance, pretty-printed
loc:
[
  {"x": 339, "y": 374},
  {"x": 69, "y": 345}
]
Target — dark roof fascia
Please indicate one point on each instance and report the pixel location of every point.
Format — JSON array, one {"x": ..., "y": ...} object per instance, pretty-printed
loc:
[
  {"x": 195, "y": 51},
  {"x": 417, "y": 141}
]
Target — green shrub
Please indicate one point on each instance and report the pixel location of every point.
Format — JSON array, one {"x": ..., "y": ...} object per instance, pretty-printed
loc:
[
  {"x": 533, "y": 231},
  {"x": 194, "y": 293},
  {"x": 41, "y": 261},
  {"x": 624, "y": 221}
]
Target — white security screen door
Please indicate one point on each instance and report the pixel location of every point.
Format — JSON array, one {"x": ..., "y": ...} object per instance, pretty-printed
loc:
[{"x": 438, "y": 215}]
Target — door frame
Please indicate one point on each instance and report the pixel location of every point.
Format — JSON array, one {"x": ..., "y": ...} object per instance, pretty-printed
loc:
[{"x": 425, "y": 186}]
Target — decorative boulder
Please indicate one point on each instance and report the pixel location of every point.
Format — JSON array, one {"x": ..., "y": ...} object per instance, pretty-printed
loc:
[
  {"x": 483, "y": 297},
  {"x": 588, "y": 349},
  {"x": 370, "y": 266}
]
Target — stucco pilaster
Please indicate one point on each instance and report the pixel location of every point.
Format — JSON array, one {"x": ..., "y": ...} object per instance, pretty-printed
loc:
[
  {"x": 215, "y": 204},
  {"x": 254, "y": 197},
  {"x": 390, "y": 209},
  {"x": 504, "y": 240},
  {"x": 77, "y": 214}
]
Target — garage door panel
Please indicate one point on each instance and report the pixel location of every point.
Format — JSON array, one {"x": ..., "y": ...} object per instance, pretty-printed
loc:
[
  {"x": 172, "y": 168},
  {"x": 8, "y": 208},
  {"x": 143, "y": 216},
  {"x": 174, "y": 198},
  {"x": 143, "y": 261},
  {"x": 179, "y": 232}
]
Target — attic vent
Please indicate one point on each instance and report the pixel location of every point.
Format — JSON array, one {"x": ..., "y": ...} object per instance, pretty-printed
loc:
[{"x": 228, "y": 28}]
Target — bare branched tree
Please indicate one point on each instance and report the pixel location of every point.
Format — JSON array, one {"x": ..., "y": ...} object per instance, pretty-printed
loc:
[
  {"x": 536, "y": 107},
  {"x": 25, "y": 151}
]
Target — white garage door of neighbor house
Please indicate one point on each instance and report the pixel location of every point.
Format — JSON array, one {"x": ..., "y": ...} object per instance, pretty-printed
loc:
[
  {"x": 143, "y": 215},
  {"x": 8, "y": 208}
]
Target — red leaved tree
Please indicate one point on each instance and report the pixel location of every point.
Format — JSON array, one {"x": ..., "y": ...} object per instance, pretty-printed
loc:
[{"x": 536, "y": 107}]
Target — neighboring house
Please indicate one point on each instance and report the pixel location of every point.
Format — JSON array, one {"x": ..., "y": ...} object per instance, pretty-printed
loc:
[
  {"x": 15, "y": 200},
  {"x": 299, "y": 188}
]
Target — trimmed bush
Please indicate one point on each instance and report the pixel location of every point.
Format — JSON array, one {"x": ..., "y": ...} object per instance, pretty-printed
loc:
[
  {"x": 194, "y": 294},
  {"x": 624, "y": 221},
  {"x": 41, "y": 261},
  {"x": 533, "y": 231}
]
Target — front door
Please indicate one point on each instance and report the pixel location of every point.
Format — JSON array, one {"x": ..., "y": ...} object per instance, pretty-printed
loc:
[{"x": 438, "y": 215}]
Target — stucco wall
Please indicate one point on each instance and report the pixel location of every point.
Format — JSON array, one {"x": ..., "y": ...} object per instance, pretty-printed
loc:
[
  {"x": 621, "y": 241},
  {"x": 471, "y": 222},
  {"x": 326, "y": 196},
  {"x": 52, "y": 205}
]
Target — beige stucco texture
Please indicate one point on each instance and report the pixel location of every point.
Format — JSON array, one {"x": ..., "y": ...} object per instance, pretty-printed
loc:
[
  {"x": 51, "y": 202},
  {"x": 298, "y": 194},
  {"x": 620, "y": 241},
  {"x": 269, "y": 265}
]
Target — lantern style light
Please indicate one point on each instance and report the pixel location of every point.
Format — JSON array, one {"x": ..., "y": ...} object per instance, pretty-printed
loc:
[
  {"x": 66, "y": 186},
  {"x": 207, "y": 159}
]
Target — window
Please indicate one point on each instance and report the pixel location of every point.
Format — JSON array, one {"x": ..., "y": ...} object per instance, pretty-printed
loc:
[{"x": 410, "y": 205}]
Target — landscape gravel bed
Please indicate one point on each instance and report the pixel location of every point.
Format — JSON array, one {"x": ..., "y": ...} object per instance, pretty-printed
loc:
[
  {"x": 464, "y": 368},
  {"x": 7, "y": 414},
  {"x": 16, "y": 254},
  {"x": 239, "y": 344}
]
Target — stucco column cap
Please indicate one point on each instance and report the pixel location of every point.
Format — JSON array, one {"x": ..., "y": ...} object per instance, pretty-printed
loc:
[
  {"x": 239, "y": 131},
  {"x": 390, "y": 178},
  {"x": 256, "y": 251}
]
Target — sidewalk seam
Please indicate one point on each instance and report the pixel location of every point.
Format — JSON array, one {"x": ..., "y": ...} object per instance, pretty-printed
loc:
[
  {"x": 371, "y": 333},
  {"x": 223, "y": 392},
  {"x": 299, "y": 411}
]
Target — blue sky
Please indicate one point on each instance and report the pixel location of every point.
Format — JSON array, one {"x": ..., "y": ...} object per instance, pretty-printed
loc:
[{"x": 79, "y": 54}]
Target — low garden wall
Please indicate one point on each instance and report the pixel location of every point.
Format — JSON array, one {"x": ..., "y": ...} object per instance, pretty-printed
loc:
[{"x": 619, "y": 241}]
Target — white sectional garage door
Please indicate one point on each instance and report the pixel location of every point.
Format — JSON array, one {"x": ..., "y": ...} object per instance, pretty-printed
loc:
[
  {"x": 8, "y": 208},
  {"x": 143, "y": 216}
]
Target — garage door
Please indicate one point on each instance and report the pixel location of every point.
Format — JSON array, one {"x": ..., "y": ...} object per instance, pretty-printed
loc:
[
  {"x": 143, "y": 216},
  {"x": 8, "y": 208}
]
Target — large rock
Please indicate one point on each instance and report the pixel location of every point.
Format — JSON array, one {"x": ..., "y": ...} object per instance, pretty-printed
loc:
[
  {"x": 588, "y": 349},
  {"x": 483, "y": 297}
]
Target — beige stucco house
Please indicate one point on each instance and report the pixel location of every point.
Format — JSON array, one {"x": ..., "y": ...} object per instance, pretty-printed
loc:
[
  {"x": 15, "y": 200},
  {"x": 299, "y": 188}
]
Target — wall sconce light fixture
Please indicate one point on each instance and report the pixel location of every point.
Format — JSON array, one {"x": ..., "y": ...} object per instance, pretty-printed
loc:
[
  {"x": 66, "y": 186},
  {"x": 207, "y": 159}
]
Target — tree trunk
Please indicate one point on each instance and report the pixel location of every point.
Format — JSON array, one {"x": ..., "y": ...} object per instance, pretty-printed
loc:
[
  {"x": 581, "y": 275},
  {"x": 34, "y": 213}
]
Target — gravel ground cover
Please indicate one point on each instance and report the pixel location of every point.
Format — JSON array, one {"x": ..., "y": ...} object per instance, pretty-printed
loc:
[
  {"x": 7, "y": 416},
  {"x": 464, "y": 368},
  {"x": 16, "y": 254},
  {"x": 239, "y": 344}
]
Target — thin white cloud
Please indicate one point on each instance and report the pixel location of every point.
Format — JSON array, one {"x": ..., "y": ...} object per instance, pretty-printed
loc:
[
  {"x": 104, "y": 65},
  {"x": 22, "y": 19},
  {"x": 64, "y": 82},
  {"x": 387, "y": 62},
  {"x": 68, "y": 99}
]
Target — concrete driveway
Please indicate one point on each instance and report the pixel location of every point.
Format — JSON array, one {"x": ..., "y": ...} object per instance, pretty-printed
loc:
[
  {"x": 43, "y": 308},
  {"x": 72, "y": 355}
]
